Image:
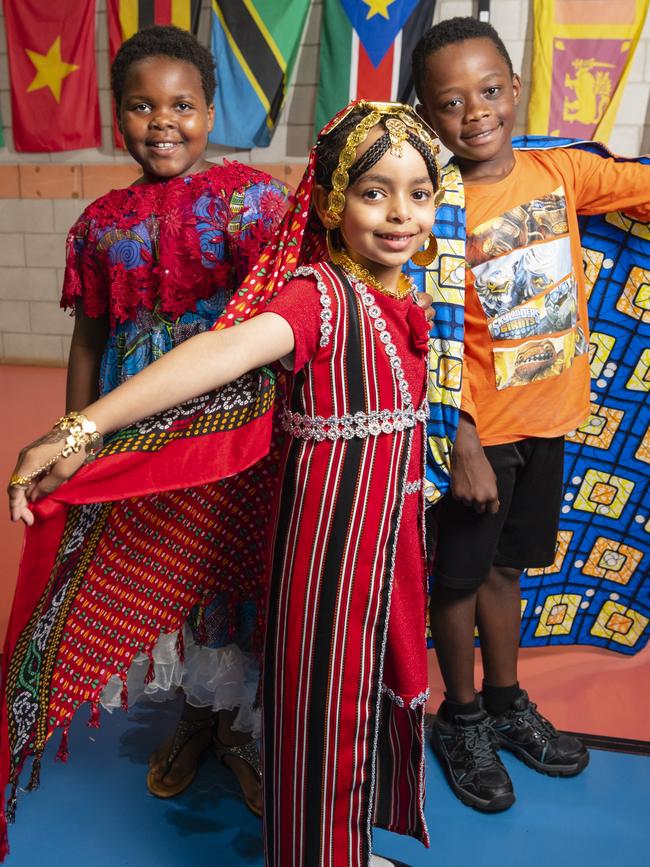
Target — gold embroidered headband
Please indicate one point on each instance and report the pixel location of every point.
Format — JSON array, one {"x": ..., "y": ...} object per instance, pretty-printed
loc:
[{"x": 400, "y": 123}]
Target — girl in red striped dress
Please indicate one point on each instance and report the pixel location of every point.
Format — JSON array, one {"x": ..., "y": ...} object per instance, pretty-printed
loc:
[{"x": 345, "y": 677}]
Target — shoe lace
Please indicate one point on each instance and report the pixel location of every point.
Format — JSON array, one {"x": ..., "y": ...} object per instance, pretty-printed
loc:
[
  {"x": 536, "y": 721},
  {"x": 478, "y": 742}
]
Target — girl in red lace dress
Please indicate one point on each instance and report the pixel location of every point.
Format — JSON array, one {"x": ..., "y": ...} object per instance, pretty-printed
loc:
[
  {"x": 148, "y": 267},
  {"x": 345, "y": 677}
]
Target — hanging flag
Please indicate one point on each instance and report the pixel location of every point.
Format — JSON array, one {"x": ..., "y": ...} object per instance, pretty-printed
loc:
[
  {"x": 582, "y": 54},
  {"x": 255, "y": 44},
  {"x": 366, "y": 48},
  {"x": 126, "y": 17},
  {"x": 54, "y": 99}
]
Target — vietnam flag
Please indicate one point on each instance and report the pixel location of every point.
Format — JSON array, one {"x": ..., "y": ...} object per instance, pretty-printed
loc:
[
  {"x": 126, "y": 17},
  {"x": 54, "y": 98},
  {"x": 366, "y": 48}
]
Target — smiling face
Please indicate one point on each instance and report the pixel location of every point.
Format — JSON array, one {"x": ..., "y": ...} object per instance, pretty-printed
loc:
[
  {"x": 164, "y": 117},
  {"x": 389, "y": 211},
  {"x": 470, "y": 100}
]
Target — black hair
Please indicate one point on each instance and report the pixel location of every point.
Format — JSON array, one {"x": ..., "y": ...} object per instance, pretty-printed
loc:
[
  {"x": 450, "y": 32},
  {"x": 163, "y": 41},
  {"x": 329, "y": 147}
]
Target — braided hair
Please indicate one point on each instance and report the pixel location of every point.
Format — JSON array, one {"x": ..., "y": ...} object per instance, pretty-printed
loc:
[{"x": 329, "y": 147}]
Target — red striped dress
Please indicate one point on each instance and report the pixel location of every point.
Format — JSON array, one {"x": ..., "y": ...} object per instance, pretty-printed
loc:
[{"x": 345, "y": 676}]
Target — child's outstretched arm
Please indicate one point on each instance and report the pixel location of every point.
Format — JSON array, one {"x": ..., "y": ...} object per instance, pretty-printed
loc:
[
  {"x": 86, "y": 350},
  {"x": 197, "y": 366}
]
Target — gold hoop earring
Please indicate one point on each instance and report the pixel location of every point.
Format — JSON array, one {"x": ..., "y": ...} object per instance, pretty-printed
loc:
[{"x": 425, "y": 257}]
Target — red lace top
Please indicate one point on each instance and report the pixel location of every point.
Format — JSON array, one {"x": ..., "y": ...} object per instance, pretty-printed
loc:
[{"x": 167, "y": 245}]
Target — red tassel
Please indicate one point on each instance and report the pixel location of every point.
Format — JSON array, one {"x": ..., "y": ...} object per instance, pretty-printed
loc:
[
  {"x": 63, "y": 753},
  {"x": 4, "y": 839},
  {"x": 124, "y": 696},
  {"x": 180, "y": 645},
  {"x": 151, "y": 673},
  {"x": 93, "y": 722}
]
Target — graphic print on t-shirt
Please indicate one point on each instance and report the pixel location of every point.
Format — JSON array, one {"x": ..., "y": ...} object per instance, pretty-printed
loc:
[{"x": 524, "y": 279}]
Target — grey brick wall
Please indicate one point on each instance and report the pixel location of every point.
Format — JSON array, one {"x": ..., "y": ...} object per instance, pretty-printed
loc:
[{"x": 32, "y": 230}]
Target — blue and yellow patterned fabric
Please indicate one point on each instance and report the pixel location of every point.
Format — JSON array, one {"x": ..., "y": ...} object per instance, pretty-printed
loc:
[
  {"x": 444, "y": 280},
  {"x": 598, "y": 589}
]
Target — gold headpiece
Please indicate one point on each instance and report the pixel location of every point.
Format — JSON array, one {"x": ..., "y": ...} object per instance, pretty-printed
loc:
[{"x": 402, "y": 120}]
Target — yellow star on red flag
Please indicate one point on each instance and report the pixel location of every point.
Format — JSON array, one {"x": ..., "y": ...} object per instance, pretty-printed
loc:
[
  {"x": 378, "y": 7},
  {"x": 50, "y": 69}
]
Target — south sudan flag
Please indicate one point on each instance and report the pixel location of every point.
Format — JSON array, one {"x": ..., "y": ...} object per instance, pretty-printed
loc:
[
  {"x": 366, "y": 48},
  {"x": 126, "y": 17},
  {"x": 255, "y": 44}
]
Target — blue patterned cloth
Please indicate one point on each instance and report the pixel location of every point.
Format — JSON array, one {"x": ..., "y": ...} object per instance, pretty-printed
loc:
[{"x": 598, "y": 590}]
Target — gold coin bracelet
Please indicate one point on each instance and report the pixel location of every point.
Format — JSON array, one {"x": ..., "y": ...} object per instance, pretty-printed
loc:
[{"x": 81, "y": 433}]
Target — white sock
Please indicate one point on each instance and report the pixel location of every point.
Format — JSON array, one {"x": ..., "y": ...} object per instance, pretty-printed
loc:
[{"x": 378, "y": 861}]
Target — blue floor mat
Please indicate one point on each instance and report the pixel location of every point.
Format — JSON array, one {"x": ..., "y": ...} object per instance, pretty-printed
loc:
[{"x": 95, "y": 810}]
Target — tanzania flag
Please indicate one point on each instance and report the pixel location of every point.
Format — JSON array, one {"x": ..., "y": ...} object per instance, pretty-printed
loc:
[
  {"x": 255, "y": 43},
  {"x": 582, "y": 54},
  {"x": 126, "y": 17},
  {"x": 366, "y": 48},
  {"x": 54, "y": 98}
]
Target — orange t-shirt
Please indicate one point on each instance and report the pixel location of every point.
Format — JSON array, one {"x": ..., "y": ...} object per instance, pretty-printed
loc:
[{"x": 526, "y": 368}]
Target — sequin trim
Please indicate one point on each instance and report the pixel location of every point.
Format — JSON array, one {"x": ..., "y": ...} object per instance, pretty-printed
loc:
[
  {"x": 325, "y": 300},
  {"x": 361, "y": 424},
  {"x": 370, "y": 303},
  {"x": 417, "y": 701}
]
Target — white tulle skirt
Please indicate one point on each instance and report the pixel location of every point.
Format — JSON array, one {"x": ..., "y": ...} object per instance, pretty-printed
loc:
[{"x": 222, "y": 678}]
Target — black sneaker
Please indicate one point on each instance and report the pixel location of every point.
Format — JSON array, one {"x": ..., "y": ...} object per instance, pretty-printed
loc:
[
  {"x": 467, "y": 753},
  {"x": 533, "y": 739}
]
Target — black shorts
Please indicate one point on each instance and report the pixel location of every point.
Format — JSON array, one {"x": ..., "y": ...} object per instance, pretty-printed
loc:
[{"x": 522, "y": 534}]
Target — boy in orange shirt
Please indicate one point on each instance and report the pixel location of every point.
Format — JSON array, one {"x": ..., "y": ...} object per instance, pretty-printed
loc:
[{"x": 525, "y": 384}]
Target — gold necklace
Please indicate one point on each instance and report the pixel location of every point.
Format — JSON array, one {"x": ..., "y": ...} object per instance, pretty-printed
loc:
[{"x": 404, "y": 283}]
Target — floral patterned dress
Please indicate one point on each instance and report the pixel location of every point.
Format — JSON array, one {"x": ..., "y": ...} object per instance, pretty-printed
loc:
[{"x": 162, "y": 260}]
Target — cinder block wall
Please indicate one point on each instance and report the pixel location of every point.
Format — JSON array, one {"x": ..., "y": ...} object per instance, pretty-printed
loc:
[{"x": 42, "y": 194}]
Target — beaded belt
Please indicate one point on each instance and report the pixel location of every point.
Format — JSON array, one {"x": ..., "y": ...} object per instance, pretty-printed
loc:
[{"x": 361, "y": 424}]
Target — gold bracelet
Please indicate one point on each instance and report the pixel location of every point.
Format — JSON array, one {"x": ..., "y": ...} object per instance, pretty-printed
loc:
[
  {"x": 79, "y": 429},
  {"x": 81, "y": 432}
]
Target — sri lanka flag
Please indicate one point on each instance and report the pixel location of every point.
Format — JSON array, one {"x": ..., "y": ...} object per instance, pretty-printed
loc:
[
  {"x": 366, "y": 48},
  {"x": 126, "y": 17},
  {"x": 255, "y": 43},
  {"x": 581, "y": 60}
]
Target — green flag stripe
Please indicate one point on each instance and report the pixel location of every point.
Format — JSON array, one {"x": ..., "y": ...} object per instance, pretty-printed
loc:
[{"x": 335, "y": 62}]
